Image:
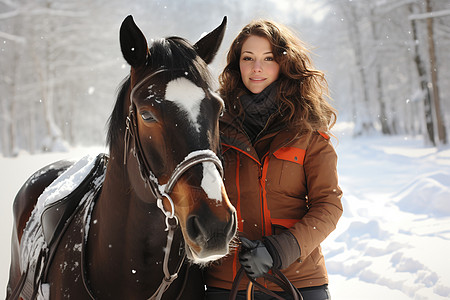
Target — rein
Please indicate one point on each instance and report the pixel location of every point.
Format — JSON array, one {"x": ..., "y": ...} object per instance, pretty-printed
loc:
[
  {"x": 278, "y": 278},
  {"x": 161, "y": 192}
]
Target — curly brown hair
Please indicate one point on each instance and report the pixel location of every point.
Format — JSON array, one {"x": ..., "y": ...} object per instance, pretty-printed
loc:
[{"x": 302, "y": 90}]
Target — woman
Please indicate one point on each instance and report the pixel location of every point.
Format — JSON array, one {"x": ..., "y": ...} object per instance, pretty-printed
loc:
[{"x": 280, "y": 166}]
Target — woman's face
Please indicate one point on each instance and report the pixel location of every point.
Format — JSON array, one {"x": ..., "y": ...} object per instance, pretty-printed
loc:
[{"x": 257, "y": 64}]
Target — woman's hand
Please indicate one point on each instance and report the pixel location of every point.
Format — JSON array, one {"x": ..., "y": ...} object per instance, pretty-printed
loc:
[
  {"x": 255, "y": 258},
  {"x": 274, "y": 251}
]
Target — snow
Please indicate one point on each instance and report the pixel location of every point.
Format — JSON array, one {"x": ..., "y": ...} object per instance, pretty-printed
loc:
[
  {"x": 67, "y": 182},
  {"x": 393, "y": 238},
  {"x": 44, "y": 292}
]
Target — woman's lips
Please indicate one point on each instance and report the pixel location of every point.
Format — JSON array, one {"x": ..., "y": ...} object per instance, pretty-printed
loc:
[{"x": 257, "y": 79}]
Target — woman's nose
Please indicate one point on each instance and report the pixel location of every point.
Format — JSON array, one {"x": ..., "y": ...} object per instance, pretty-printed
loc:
[{"x": 257, "y": 67}]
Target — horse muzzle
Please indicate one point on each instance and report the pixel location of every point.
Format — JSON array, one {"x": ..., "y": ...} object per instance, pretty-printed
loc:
[{"x": 209, "y": 236}]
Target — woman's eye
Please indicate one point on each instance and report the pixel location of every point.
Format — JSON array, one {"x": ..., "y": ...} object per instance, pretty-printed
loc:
[
  {"x": 246, "y": 58},
  {"x": 269, "y": 58},
  {"x": 147, "y": 116}
]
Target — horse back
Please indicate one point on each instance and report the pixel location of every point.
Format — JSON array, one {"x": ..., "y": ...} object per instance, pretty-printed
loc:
[
  {"x": 23, "y": 206},
  {"x": 27, "y": 196}
]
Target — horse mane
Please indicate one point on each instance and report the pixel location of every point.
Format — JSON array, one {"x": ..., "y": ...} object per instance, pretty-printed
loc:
[
  {"x": 116, "y": 121},
  {"x": 174, "y": 54}
]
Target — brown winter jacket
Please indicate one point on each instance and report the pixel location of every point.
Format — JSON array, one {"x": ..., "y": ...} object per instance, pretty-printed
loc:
[{"x": 292, "y": 184}]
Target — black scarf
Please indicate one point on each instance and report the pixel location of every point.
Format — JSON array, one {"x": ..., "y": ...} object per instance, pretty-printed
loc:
[{"x": 258, "y": 108}]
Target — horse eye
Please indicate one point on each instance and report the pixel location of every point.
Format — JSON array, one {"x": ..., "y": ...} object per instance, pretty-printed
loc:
[{"x": 147, "y": 116}]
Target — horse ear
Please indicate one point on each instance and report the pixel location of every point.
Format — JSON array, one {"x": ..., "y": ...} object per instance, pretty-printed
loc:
[
  {"x": 133, "y": 43},
  {"x": 207, "y": 46}
]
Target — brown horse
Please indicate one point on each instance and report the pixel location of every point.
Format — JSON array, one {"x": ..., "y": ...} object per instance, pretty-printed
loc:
[{"x": 156, "y": 198}]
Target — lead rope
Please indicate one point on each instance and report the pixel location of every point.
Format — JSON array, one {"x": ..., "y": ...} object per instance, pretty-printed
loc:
[{"x": 281, "y": 281}]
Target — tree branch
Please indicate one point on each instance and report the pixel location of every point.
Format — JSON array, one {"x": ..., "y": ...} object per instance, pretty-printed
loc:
[
  {"x": 14, "y": 38},
  {"x": 388, "y": 6},
  {"x": 56, "y": 12},
  {"x": 9, "y": 3},
  {"x": 9, "y": 14},
  {"x": 433, "y": 14}
]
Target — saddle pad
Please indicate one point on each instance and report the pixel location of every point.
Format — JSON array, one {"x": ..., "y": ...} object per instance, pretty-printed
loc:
[{"x": 33, "y": 240}]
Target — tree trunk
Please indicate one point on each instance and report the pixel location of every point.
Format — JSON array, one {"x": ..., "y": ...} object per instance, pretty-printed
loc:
[
  {"x": 385, "y": 128},
  {"x": 48, "y": 88},
  {"x": 355, "y": 37},
  {"x": 11, "y": 106},
  {"x": 423, "y": 82},
  {"x": 442, "y": 136}
]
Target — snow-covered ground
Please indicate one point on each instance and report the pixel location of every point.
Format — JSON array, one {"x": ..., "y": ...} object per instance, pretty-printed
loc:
[{"x": 393, "y": 239}]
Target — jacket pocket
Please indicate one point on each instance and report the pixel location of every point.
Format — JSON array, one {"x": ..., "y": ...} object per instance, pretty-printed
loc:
[
  {"x": 287, "y": 173},
  {"x": 292, "y": 154}
]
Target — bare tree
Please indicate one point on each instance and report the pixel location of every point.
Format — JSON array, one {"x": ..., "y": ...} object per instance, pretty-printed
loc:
[
  {"x": 379, "y": 95},
  {"x": 389, "y": 40},
  {"x": 429, "y": 81},
  {"x": 442, "y": 135}
]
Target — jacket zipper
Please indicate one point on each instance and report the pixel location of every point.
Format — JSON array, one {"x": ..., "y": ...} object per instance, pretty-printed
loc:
[{"x": 261, "y": 196}]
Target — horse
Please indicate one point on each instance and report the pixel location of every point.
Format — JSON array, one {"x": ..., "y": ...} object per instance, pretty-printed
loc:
[{"x": 157, "y": 198}]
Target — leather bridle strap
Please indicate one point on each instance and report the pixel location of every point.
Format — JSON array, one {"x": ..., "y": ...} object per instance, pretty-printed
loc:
[
  {"x": 278, "y": 278},
  {"x": 191, "y": 160},
  {"x": 195, "y": 157},
  {"x": 168, "y": 278},
  {"x": 163, "y": 191}
]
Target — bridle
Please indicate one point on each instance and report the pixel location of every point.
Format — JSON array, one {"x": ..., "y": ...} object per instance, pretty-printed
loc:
[{"x": 162, "y": 191}]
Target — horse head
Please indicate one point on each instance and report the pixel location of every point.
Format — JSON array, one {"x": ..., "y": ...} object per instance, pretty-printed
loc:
[{"x": 172, "y": 137}]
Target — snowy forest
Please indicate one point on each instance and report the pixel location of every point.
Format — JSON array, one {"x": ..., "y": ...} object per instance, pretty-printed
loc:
[{"x": 386, "y": 61}]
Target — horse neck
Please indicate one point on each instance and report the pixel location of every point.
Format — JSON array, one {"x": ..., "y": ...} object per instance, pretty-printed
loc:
[
  {"x": 121, "y": 202},
  {"x": 126, "y": 236}
]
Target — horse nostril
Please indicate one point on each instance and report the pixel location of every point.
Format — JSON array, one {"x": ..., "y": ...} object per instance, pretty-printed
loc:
[
  {"x": 194, "y": 228},
  {"x": 204, "y": 231}
]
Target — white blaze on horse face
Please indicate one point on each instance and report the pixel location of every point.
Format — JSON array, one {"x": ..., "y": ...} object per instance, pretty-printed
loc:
[
  {"x": 187, "y": 96},
  {"x": 212, "y": 182}
]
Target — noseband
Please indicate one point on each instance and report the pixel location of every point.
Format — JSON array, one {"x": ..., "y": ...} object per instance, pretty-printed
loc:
[{"x": 162, "y": 191}]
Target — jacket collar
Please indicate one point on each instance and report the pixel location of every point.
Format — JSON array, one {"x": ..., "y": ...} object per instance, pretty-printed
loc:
[{"x": 233, "y": 135}]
